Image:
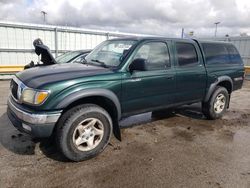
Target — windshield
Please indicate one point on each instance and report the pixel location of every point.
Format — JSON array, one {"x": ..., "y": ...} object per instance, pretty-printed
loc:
[
  {"x": 110, "y": 52},
  {"x": 65, "y": 58}
]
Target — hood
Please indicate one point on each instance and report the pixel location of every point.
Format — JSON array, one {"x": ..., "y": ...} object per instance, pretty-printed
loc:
[{"x": 39, "y": 76}]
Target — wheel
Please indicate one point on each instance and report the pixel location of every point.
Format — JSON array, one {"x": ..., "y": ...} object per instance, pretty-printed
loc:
[
  {"x": 217, "y": 104},
  {"x": 83, "y": 132}
]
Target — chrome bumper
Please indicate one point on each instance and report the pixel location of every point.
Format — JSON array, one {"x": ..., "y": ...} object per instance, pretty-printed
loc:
[{"x": 41, "y": 118}]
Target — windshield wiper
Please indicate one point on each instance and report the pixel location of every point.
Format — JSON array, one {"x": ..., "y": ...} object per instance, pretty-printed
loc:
[{"x": 99, "y": 62}]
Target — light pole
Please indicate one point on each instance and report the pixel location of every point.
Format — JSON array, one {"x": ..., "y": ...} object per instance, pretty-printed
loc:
[
  {"x": 182, "y": 33},
  {"x": 44, "y": 16},
  {"x": 216, "y": 24}
]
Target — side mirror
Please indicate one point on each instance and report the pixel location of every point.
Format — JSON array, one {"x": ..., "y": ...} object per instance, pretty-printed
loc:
[{"x": 137, "y": 65}]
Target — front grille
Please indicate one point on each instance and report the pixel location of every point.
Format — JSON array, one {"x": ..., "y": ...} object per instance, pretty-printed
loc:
[{"x": 14, "y": 88}]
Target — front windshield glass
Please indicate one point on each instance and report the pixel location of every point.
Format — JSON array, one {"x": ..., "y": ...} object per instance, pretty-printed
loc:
[
  {"x": 65, "y": 58},
  {"x": 110, "y": 52}
]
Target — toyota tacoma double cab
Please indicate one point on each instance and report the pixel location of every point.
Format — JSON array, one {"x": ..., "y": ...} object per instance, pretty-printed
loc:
[{"x": 80, "y": 104}]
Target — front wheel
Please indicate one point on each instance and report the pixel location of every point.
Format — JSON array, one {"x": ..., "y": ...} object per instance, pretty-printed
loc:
[
  {"x": 217, "y": 104},
  {"x": 83, "y": 132}
]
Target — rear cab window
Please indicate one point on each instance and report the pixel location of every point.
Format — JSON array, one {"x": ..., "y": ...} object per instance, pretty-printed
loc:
[
  {"x": 219, "y": 53},
  {"x": 234, "y": 55}
]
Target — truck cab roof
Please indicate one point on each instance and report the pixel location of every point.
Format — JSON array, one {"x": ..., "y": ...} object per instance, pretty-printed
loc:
[{"x": 144, "y": 38}]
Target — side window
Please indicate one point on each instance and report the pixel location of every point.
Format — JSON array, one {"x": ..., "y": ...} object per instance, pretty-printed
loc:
[
  {"x": 186, "y": 54},
  {"x": 156, "y": 55},
  {"x": 234, "y": 55},
  {"x": 215, "y": 53}
]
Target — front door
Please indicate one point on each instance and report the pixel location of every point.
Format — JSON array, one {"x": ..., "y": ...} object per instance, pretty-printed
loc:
[{"x": 154, "y": 87}]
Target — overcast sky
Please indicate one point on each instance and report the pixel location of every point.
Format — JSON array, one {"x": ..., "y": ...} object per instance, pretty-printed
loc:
[{"x": 163, "y": 17}]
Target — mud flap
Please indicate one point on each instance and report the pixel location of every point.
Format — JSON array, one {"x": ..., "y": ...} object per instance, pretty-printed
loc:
[{"x": 117, "y": 131}]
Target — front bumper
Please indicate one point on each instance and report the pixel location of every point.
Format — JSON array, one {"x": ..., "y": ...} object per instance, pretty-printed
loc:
[{"x": 37, "y": 124}]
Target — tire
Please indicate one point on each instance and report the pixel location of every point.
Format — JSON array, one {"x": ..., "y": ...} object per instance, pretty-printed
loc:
[
  {"x": 213, "y": 109},
  {"x": 83, "y": 132}
]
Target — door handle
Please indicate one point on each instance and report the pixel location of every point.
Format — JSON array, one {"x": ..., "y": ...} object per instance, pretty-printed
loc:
[{"x": 135, "y": 79}]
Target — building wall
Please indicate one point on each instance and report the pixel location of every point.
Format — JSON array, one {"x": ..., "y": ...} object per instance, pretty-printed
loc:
[{"x": 16, "y": 40}]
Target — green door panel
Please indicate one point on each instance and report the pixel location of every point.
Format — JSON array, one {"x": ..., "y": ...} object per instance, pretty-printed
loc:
[
  {"x": 190, "y": 83},
  {"x": 147, "y": 89}
]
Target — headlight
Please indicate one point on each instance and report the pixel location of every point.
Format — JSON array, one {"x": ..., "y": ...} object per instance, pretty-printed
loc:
[{"x": 33, "y": 96}]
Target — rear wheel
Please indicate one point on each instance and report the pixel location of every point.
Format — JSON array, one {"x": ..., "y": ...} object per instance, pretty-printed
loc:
[
  {"x": 83, "y": 132},
  {"x": 217, "y": 104}
]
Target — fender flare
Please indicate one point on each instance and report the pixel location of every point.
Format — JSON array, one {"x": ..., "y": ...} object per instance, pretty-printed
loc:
[
  {"x": 213, "y": 85},
  {"x": 98, "y": 93}
]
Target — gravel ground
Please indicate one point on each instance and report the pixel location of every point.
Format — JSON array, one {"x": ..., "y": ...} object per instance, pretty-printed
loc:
[{"x": 182, "y": 150}]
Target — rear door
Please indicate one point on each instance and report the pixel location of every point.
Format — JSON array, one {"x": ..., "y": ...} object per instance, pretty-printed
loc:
[
  {"x": 190, "y": 72},
  {"x": 144, "y": 90}
]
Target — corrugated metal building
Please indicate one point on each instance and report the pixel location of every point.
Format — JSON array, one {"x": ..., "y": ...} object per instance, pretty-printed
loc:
[{"x": 16, "y": 40}]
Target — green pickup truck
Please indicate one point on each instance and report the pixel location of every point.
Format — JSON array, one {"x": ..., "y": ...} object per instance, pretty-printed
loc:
[{"x": 80, "y": 104}]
